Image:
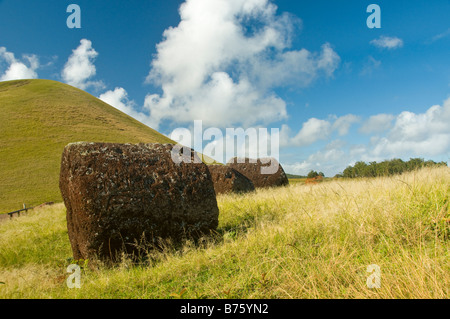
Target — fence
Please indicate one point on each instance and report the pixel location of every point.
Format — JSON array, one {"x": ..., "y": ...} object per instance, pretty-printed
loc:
[{"x": 24, "y": 209}]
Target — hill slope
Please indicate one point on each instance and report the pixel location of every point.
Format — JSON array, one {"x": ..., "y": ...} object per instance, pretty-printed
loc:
[{"x": 37, "y": 119}]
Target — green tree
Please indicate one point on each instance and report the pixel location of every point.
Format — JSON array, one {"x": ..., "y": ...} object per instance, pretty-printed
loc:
[
  {"x": 349, "y": 172},
  {"x": 312, "y": 174},
  {"x": 387, "y": 167},
  {"x": 360, "y": 169}
]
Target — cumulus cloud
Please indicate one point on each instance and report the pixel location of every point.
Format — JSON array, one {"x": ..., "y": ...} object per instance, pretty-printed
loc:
[
  {"x": 418, "y": 134},
  {"x": 296, "y": 68},
  {"x": 377, "y": 123},
  {"x": 118, "y": 98},
  {"x": 18, "y": 69},
  {"x": 220, "y": 103},
  {"x": 314, "y": 130},
  {"x": 80, "y": 67},
  {"x": 342, "y": 124},
  {"x": 223, "y": 60},
  {"x": 407, "y": 135},
  {"x": 224, "y": 144},
  {"x": 387, "y": 42}
]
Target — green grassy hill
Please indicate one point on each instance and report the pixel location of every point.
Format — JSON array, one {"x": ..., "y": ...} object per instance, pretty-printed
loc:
[{"x": 37, "y": 119}]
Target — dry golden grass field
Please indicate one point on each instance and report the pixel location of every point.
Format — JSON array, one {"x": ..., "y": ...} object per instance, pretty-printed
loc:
[{"x": 299, "y": 241}]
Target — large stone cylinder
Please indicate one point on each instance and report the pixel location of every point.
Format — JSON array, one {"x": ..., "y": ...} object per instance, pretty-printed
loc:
[
  {"x": 263, "y": 172},
  {"x": 118, "y": 195},
  {"x": 229, "y": 180}
]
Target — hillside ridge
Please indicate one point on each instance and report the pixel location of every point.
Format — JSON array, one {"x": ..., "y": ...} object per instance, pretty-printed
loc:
[{"x": 38, "y": 118}]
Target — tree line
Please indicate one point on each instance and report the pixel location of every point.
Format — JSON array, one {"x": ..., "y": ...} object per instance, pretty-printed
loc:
[{"x": 386, "y": 168}]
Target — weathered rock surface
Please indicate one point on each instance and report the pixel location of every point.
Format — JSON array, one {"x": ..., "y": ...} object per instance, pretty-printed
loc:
[
  {"x": 118, "y": 194},
  {"x": 263, "y": 172},
  {"x": 229, "y": 180}
]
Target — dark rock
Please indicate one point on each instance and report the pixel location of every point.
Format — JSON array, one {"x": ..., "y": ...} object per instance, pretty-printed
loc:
[
  {"x": 119, "y": 194},
  {"x": 227, "y": 180},
  {"x": 263, "y": 172}
]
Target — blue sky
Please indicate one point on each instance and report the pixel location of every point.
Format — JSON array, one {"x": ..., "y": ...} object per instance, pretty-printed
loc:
[{"x": 338, "y": 91}]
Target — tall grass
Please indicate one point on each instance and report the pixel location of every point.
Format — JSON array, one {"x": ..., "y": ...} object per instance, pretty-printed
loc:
[{"x": 299, "y": 241}]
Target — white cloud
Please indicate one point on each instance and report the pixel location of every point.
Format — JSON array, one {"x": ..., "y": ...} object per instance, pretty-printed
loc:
[
  {"x": 80, "y": 67},
  {"x": 343, "y": 123},
  {"x": 441, "y": 35},
  {"x": 224, "y": 144},
  {"x": 418, "y": 134},
  {"x": 377, "y": 123},
  {"x": 285, "y": 132},
  {"x": 370, "y": 65},
  {"x": 118, "y": 98},
  {"x": 387, "y": 42},
  {"x": 296, "y": 68},
  {"x": 425, "y": 135},
  {"x": 17, "y": 69},
  {"x": 314, "y": 130},
  {"x": 329, "y": 161},
  {"x": 223, "y": 60},
  {"x": 220, "y": 103}
]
